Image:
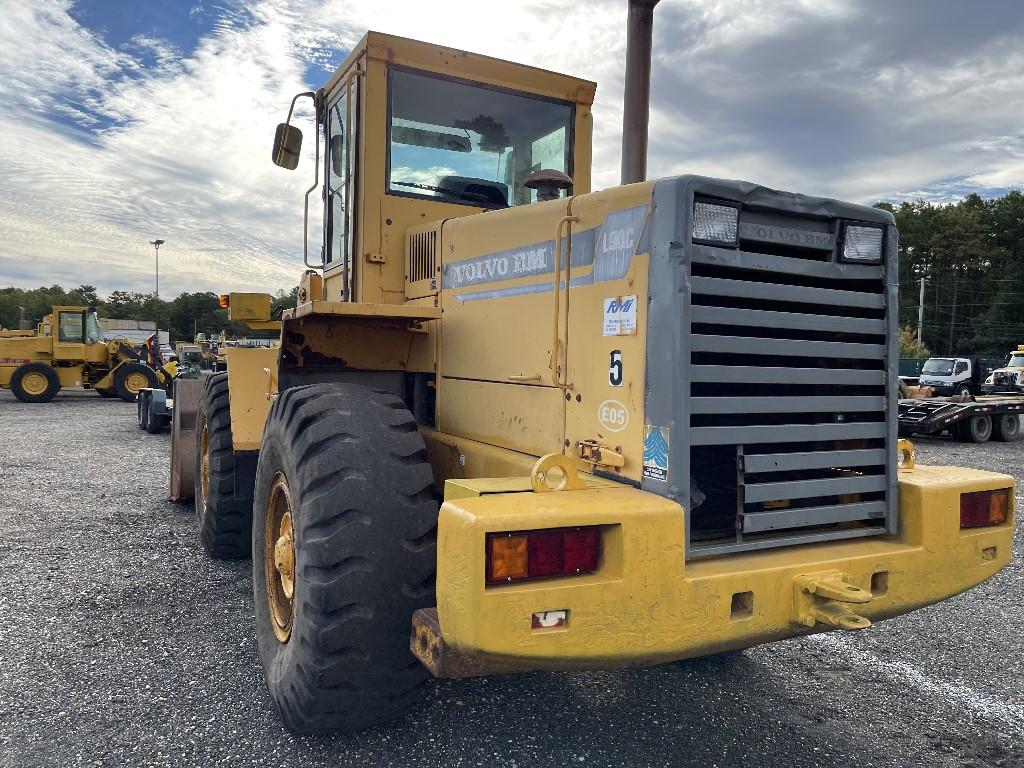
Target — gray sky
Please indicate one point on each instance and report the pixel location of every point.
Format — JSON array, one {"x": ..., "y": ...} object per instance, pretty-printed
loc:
[{"x": 128, "y": 121}]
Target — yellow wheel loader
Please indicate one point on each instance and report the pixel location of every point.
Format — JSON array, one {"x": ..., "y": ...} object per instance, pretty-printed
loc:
[
  {"x": 68, "y": 350},
  {"x": 516, "y": 424}
]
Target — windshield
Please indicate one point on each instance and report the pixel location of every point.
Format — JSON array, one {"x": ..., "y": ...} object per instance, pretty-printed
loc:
[
  {"x": 93, "y": 333},
  {"x": 472, "y": 144},
  {"x": 939, "y": 366},
  {"x": 1016, "y": 360}
]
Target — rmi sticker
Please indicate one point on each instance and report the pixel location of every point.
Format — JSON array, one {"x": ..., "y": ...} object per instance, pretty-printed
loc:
[
  {"x": 656, "y": 452},
  {"x": 619, "y": 316}
]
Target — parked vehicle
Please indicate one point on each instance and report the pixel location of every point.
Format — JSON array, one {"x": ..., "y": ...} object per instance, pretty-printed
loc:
[
  {"x": 1009, "y": 378},
  {"x": 969, "y": 421},
  {"x": 952, "y": 375}
]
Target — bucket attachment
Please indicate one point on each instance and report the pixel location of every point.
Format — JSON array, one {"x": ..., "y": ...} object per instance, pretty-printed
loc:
[{"x": 826, "y": 598}]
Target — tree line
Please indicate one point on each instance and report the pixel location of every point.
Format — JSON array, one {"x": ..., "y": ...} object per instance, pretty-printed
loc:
[
  {"x": 183, "y": 316},
  {"x": 971, "y": 256}
]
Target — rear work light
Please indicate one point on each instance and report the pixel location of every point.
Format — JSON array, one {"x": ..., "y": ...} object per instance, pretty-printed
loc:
[
  {"x": 716, "y": 224},
  {"x": 984, "y": 508},
  {"x": 543, "y": 554},
  {"x": 862, "y": 243}
]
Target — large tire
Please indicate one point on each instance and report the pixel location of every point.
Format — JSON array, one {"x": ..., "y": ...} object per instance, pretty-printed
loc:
[
  {"x": 155, "y": 422},
  {"x": 349, "y": 465},
  {"x": 225, "y": 522},
  {"x": 130, "y": 378},
  {"x": 103, "y": 392},
  {"x": 142, "y": 410},
  {"x": 977, "y": 429},
  {"x": 35, "y": 383},
  {"x": 1006, "y": 428}
]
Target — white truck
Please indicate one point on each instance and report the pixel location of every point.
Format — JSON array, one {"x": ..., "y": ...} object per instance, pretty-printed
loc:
[{"x": 952, "y": 375}]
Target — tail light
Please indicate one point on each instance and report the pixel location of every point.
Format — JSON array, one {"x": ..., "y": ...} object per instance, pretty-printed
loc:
[
  {"x": 542, "y": 554},
  {"x": 224, "y": 300},
  {"x": 984, "y": 508}
]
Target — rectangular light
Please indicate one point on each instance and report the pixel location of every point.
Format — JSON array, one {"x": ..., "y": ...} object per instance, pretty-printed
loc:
[
  {"x": 715, "y": 223},
  {"x": 862, "y": 244},
  {"x": 542, "y": 554},
  {"x": 984, "y": 508}
]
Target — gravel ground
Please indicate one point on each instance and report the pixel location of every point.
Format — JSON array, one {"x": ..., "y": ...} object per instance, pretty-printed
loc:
[{"x": 122, "y": 644}]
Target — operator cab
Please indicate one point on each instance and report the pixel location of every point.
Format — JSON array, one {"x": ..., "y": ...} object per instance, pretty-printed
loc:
[{"x": 411, "y": 133}]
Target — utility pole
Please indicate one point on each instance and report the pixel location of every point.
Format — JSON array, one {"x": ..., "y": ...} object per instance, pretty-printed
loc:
[
  {"x": 156, "y": 246},
  {"x": 952, "y": 318},
  {"x": 920, "y": 313}
]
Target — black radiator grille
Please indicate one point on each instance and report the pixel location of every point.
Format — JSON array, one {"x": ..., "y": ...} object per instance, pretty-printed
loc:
[{"x": 787, "y": 384}]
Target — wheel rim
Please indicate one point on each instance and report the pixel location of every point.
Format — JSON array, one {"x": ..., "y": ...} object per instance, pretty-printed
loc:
[
  {"x": 136, "y": 381},
  {"x": 204, "y": 465},
  {"x": 279, "y": 557},
  {"x": 34, "y": 383}
]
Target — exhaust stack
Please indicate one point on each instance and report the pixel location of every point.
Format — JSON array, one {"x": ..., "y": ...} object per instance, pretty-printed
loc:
[{"x": 637, "y": 98}]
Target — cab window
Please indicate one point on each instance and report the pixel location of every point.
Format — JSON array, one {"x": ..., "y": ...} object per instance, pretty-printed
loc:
[
  {"x": 341, "y": 159},
  {"x": 470, "y": 144},
  {"x": 93, "y": 332},
  {"x": 70, "y": 327},
  {"x": 961, "y": 367}
]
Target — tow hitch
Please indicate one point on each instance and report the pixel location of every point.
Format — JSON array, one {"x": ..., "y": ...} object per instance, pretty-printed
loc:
[{"x": 827, "y": 598}]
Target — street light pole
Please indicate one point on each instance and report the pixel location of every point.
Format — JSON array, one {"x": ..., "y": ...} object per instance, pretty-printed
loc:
[{"x": 156, "y": 246}]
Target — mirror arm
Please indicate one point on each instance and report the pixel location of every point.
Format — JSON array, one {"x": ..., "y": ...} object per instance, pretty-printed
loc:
[{"x": 316, "y": 177}]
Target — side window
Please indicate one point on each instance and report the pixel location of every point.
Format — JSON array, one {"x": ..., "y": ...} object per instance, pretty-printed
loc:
[
  {"x": 961, "y": 367},
  {"x": 70, "y": 327}
]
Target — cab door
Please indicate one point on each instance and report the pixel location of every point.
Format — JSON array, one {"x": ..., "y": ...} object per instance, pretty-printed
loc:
[{"x": 69, "y": 335}]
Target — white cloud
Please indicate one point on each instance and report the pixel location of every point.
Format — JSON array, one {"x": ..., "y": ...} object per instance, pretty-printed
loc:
[{"x": 101, "y": 153}]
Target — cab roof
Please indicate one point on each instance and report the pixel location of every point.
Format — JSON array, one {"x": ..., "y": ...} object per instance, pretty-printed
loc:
[{"x": 475, "y": 67}]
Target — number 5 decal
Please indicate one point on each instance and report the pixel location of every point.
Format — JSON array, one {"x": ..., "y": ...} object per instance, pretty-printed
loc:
[{"x": 615, "y": 368}]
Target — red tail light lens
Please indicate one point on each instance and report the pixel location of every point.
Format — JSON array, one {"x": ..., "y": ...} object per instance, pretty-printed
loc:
[
  {"x": 984, "y": 508},
  {"x": 542, "y": 554}
]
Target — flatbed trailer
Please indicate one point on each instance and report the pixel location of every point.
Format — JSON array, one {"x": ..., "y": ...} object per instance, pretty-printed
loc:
[{"x": 976, "y": 420}]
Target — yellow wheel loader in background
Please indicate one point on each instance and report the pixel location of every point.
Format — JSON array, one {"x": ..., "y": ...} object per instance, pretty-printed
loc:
[
  {"x": 68, "y": 350},
  {"x": 534, "y": 426}
]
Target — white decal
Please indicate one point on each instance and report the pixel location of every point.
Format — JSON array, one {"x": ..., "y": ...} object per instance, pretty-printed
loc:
[
  {"x": 613, "y": 415},
  {"x": 619, "y": 316}
]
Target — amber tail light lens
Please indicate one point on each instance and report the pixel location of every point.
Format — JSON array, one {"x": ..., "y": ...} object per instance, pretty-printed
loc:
[
  {"x": 542, "y": 554},
  {"x": 984, "y": 508}
]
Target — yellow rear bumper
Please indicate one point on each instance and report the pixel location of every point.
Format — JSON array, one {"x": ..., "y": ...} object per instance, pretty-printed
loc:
[{"x": 647, "y": 605}]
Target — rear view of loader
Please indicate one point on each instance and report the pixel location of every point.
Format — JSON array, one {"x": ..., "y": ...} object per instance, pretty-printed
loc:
[{"x": 536, "y": 427}]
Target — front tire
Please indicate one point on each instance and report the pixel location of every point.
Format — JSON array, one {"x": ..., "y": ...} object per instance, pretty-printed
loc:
[
  {"x": 132, "y": 378},
  {"x": 225, "y": 522},
  {"x": 344, "y": 551}
]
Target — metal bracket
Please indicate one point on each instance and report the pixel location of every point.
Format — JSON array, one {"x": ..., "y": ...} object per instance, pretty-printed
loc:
[
  {"x": 826, "y": 598},
  {"x": 599, "y": 455},
  {"x": 555, "y": 472}
]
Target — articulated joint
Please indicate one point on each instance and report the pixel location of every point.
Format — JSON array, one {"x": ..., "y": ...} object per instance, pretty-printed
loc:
[{"x": 826, "y": 598}]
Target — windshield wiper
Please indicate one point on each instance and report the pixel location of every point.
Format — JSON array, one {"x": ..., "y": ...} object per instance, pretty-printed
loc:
[{"x": 471, "y": 196}]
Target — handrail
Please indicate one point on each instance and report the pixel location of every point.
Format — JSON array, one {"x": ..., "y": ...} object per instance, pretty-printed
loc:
[{"x": 555, "y": 341}]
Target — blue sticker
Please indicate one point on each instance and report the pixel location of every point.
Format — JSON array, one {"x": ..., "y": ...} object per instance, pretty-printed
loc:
[{"x": 656, "y": 450}]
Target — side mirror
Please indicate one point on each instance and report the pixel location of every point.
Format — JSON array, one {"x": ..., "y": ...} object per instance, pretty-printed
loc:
[{"x": 287, "y": 146}]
